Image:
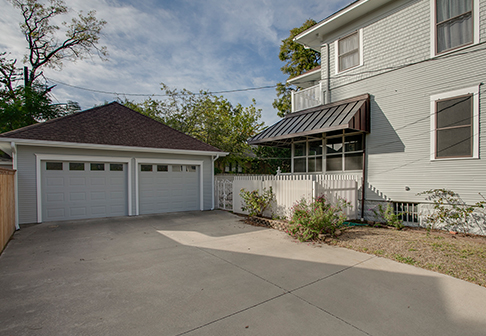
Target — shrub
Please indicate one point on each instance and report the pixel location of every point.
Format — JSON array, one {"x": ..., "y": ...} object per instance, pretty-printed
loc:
[
  {"x": 309, "y": 220},
  {"x": 450, "y": 210},
  {"x": 388, "y": 216},
  {"x": 255, "y": 203}
]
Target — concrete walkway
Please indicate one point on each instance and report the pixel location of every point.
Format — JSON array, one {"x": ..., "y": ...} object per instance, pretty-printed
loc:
[{"x": 207, "y": 273}]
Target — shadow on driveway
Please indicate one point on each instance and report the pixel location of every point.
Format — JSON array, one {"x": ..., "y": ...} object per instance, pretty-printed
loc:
[{"x": 207, "y": 273}]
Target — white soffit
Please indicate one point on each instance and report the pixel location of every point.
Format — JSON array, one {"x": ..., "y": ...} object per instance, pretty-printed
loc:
[{"x": 314, "y": 37}]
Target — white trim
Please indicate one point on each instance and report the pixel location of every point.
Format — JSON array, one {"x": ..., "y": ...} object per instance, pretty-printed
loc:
[
  {"x": 474, "y": 90},
  {"x": 336, "y": 16},
  {"x": 336, "y": 52},
  {"x": 59, "y": 157},
  {"x": 13, "y": 153},
  {"x": 171, "y": 162},
  {"x": 433, "y": 37},
  {"x": 109, "y": 147}
]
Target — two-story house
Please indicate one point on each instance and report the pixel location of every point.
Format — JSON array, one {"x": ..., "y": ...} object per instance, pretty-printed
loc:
[{"x": 396, "y": 101}]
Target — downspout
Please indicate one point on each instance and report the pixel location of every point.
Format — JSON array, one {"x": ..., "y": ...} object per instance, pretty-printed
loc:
[
  {"x": 213, "y": 159},
  {"x": 363, "y": 179},
  {"x": 328, "y": 75},
  {"x": 16, "y": 183}
]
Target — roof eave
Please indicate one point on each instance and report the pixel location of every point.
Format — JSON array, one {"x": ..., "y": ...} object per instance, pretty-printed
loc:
[
  {"x": 315, "y": 36},
  {"x": 5, "y": 146}
]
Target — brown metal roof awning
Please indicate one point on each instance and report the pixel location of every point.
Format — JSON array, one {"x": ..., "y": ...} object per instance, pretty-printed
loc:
[{"x": 352, "y": 114}]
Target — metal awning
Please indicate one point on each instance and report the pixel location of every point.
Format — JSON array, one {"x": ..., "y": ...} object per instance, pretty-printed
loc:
[{"x": 352, "y": 114}]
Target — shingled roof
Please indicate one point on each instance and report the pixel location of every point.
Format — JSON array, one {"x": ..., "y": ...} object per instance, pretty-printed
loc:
[{"x": 111, "y": 124}]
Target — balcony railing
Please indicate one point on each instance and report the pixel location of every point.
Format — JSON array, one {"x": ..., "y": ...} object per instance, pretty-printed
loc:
[{"x": 307, "y": 98}]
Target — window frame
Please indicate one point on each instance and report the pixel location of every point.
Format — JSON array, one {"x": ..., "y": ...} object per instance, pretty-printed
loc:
[
  {"x": 360, "y": 51},
  {"x": 344, "y": 152},
  {"x": 474, "y": 92},
  {"x": 433, "y": 29},
  {"x": 306, "y": 155}
]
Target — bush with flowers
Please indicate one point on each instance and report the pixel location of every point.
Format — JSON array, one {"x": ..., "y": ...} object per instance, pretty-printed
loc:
[{"x": 311, "y": 219}]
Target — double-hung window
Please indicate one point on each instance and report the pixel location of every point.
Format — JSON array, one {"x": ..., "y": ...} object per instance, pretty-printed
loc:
[
  {"x": 349, "y": 51},
  {"x": 455, "y": 124},
  {"x": 454, "y": 24}
]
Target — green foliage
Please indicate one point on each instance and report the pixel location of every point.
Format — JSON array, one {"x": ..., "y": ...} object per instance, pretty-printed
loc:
[
  {"x": 29, "y": 105},
  {"x": 309, "y": 220},
  {"x": 297, "y": 61},
  {"x": 450, "y": 210},
  {"x": 283, "y": 104},
  {"x": 209, "y": 118},
  {"x": 268, "y": 160},
  {"x": 388, "y": 216},
  {"x": 22, "y": 106},
  {"x": 255, "y": 203}
]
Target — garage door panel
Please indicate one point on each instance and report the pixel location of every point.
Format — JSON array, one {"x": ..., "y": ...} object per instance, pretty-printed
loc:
[
  {"x": 78, "y": 211},
  {"x": 55, "y": 197},
  {"x": 77, "y": 181},
  {"x": 76, "y": 194},
  {"x": 168, "y": 190},
  {"x": 55, "y": 181},
  {"x": 56, "y": 213}
]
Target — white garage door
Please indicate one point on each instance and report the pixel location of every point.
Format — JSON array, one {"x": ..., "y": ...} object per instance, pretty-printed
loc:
[
  {"x": 77, "y": 190},
  {"x": 168, "y": 188}
]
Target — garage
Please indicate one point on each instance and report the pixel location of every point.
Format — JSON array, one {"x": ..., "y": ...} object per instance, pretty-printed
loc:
[
  {"x": 168, "y": 187},
  {"x": 107, "y": 161},
  {"x": 79, "y": 190}
]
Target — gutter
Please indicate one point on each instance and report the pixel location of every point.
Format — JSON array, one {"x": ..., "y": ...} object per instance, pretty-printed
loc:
[
  {"x": 109, "y": 147},
  {"x": 213, "y": 159}
]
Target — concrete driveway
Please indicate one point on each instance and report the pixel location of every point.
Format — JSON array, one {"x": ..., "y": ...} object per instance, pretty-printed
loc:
[{"x": 207, "y": 273}]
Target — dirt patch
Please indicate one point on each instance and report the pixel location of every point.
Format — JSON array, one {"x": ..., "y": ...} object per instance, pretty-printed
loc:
[{"x": 457, "y": 255}]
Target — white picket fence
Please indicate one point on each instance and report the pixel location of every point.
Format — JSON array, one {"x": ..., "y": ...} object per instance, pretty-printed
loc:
[{"x": 289, "y": 189}]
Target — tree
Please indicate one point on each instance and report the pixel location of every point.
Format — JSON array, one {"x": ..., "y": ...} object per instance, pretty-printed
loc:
[
  {"x": 44, "y": 48},
  {"x": 298, "y": 60},
  {"x": 209, "y": 118},
  {"x": 24, "y": 105}
]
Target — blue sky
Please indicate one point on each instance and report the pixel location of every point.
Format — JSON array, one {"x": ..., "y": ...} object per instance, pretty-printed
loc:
[{"x": 213, "y": 45}]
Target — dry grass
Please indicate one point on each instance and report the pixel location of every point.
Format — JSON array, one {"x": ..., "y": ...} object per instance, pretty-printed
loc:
[{"x": 460, "y": 256}]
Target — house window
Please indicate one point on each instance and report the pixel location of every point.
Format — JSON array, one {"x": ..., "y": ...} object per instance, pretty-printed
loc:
[
  {"x": 177, "y": 168},
  {"x": 162, "y": 168},
  {"x": 349, "y": 52},
  {"x": 344, "y": 152},
  {"x": 406, "y": 212},
  {"x": 191, "y": 169},
  {"x": 455, "y": 119},
  {"x": 453, "y": 24},
  {"x": 307, "y": 156}
]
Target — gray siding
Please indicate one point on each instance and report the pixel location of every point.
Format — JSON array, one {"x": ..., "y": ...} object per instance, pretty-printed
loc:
[
  {"x": 400, "y": 76},
  {"x": 26, "y": 164}
]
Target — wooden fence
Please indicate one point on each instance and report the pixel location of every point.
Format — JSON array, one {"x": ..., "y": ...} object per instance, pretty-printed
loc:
[
  {"x": 289, "y": 189},
  {"x": 7, "y": 206}
]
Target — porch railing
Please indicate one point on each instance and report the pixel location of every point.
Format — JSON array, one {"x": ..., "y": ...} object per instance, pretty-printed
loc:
[{"x": 307, "y": 98}]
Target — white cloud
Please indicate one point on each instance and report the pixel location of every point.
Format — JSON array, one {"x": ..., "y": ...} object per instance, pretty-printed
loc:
[{"x": 212, "y": 45}]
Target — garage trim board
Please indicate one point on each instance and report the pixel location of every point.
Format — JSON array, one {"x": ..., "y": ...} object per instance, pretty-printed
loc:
[
  {"x": 54, "y": 157},
  {"x": 139, "y": 161}
]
